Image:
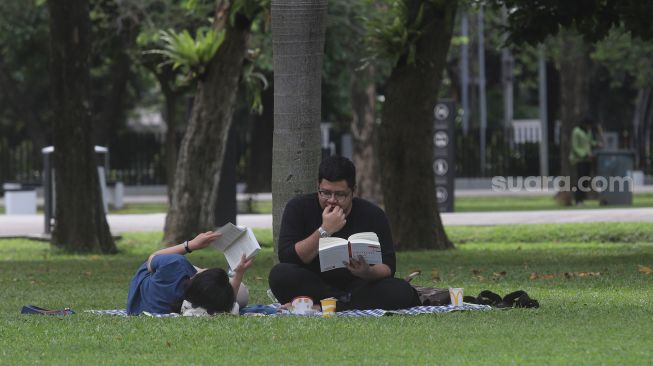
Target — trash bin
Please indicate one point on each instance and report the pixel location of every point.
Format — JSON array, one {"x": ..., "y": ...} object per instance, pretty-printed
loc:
[
  {"x": 19, "y": 200},
  {"x": 613, "y": 180}
]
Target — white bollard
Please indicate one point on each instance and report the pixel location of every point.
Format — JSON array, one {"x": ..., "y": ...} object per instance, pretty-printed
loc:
[{"x": 118, "y": 195}]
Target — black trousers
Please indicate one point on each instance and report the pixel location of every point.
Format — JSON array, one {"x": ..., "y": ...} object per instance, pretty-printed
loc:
[
  {"x": 289, "y": 280},
  {"x": 583, "y": 169}
]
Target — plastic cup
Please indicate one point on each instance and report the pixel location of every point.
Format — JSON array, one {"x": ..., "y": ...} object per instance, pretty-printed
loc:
[
  {"x": 328, "y": 306},
  {"x": 456, "y": 296},
  {"x": 302, "y": 305}
]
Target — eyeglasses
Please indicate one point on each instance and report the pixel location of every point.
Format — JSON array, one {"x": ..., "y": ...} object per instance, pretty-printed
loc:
[{"x": 338, "y": 195}]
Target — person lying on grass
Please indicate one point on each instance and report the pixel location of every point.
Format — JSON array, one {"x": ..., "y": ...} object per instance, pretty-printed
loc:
[{"x": 168, "y": 283}]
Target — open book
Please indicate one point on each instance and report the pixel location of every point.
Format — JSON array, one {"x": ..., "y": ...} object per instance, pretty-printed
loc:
[
  {"x": 234, "y": 241},
  {"x": 334, "y": 251}
]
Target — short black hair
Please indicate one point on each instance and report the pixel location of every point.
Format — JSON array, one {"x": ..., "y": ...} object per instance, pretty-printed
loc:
[
  {"x": 586, "y": 121},
  {"x": 211, "y": 290},
  {"x": 335, "y": 168}
]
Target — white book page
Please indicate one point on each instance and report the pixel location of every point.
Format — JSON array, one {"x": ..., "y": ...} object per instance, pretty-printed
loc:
[
  {"x": 333, "y": 256},
  {"x": 368, "y": 235},
  {"x": 230, "y": 234},
  {"x": 330, "y": 242},
  {"x": 370, "y": 250},
  {"x": 244, "y": 244}
]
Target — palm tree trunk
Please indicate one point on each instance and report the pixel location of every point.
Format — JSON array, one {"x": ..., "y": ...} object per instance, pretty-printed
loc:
[{"x": 298, "y": 28}]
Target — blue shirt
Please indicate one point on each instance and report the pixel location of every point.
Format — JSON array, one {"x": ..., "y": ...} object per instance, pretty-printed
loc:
[{"x": 155, "y": 291}]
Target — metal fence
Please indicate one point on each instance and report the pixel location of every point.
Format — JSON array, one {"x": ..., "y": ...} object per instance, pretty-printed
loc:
[
  {"x": 139, "y": 159},
  {"x": 18, "y": 162},
  {"x": 134, "y": 159},
  {"x": 503, "y": 156}
]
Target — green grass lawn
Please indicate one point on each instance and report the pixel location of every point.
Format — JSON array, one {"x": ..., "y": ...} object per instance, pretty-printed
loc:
[
  {"x": 588, "y": 320},
  {"x": 534, "y": 203}
]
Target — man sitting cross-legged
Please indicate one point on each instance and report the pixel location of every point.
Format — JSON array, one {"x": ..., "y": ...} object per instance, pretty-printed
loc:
[{"x": 334, "y": 211}]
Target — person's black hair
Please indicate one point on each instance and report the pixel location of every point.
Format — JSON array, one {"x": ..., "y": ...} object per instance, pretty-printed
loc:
[
  {"x": 336, "y": 168},
  {"x": 586, "y": 121},
  {"x": 211, "y": 290}
]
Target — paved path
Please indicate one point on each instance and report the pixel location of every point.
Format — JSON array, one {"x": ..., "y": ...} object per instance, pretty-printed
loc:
[{"x": 32, "y": 225}]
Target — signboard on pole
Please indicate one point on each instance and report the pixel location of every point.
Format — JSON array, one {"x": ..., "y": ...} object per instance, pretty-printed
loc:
[{"x": 443, "y": 154}]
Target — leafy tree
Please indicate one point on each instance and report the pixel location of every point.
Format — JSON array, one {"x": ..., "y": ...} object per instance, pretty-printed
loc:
[
  {"x": 629, "y": 63},
  {"x": 24, "y": 100},
  {"x": 416, "y": 42},
  {"x": 533, "y": 21},
  {"x": 197, "y": 180},
  {"x": 166, "y": 46},
  {"x": 350, "y": 89},
  {"x": 114, "y": 28}
]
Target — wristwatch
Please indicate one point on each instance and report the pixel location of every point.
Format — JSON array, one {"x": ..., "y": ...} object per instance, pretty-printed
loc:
[{"x": 323, "y": 233}]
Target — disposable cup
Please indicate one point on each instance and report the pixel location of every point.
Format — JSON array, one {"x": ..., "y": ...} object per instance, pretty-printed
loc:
[
  {"x": 456, "y": 295},
  {"x": 301, "y": 305},
  {"x": 328, "y": 306}
]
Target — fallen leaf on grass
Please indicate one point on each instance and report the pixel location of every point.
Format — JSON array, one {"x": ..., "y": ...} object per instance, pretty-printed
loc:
[
  {"x": 581, "y": 274},
  {"x": 258, "y": 278},
  {"x": 644, "y": 269},
  {"x": 568, "y": 275},
  {"x": 537, "y": 276},
  {"x": 435, "y": 275},
  {"x": 168, "y": 343},
  {"x": 412, "y": 274}
]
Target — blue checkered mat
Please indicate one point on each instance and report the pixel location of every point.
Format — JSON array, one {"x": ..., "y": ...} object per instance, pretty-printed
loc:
[
  {"x": 123, "y": 312},
  {"x": 349, "y": 313},
  {"x": 413, "y": 311}
]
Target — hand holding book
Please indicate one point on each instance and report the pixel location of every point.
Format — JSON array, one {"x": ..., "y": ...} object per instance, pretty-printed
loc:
[
  {"x": 203, "y": 240},
  {"x": 244, "y": 264},
  {"x": 337, "y": 252},
  {"x": 236, "y": 241},
  {"x": 359, "y": 267}
]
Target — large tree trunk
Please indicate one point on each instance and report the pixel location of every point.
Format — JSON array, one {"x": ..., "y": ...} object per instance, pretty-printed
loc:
[
  {"x": 407, "y": 128},
  {"x": 648, "y": 125},
  {"x": 640, "y": 139},
  {"x": 298, "y": 28},
  {"x": 171, "y": 94},
  {"x": 80, "y": 221},
  {"x": 259, "y": 169},
  {"x": 166, "y": 77},
  {"x": 574, "y": 68},
  {"x": 363, "y": 101},
  {"x": 201, "y": 154},
  {"x": 111, "y": 107}
]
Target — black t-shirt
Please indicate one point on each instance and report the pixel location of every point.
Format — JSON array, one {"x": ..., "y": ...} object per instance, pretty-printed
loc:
[{"x": 303, "y": 215}]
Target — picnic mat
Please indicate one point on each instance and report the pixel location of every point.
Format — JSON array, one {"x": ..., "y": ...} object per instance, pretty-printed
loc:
[{"x": 274, "y": 310}]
